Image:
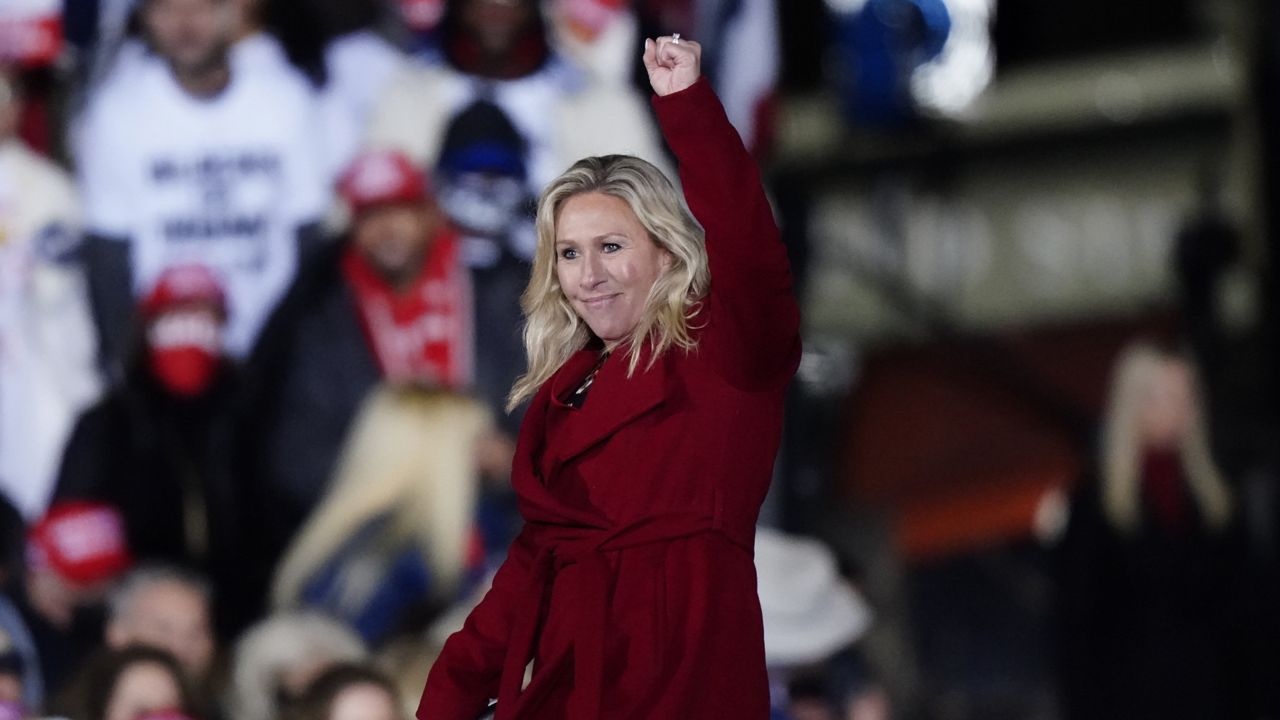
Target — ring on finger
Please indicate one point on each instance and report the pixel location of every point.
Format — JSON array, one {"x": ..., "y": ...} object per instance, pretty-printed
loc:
[{"x": 675, "y": 38}]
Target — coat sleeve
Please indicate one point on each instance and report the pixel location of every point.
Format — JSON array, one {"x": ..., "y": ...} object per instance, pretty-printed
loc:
[
  {"x": 751, "y": 317},
  {"x": 465, "y": 676}
]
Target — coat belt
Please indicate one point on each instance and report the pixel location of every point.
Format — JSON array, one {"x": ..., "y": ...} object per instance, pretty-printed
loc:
[{"x": 590, "y": 622}]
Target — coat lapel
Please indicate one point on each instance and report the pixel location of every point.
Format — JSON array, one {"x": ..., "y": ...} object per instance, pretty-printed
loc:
[
  {"x": 613, "y": 401},
  {"x": 537, "y": 503},
  {"x": 554, "y": 433}
]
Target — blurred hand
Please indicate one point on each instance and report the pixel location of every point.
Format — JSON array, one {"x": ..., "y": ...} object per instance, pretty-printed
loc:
[
  {"x": 672, "y": 66},
  {"x": 494, "y": 453}
]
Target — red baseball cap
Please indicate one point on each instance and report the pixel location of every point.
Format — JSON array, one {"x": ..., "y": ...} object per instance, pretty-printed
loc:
[
  {"x": 382, "y": 178},
  {"x": 82, "y": 541},
  {"x": 182, "y": 284}
]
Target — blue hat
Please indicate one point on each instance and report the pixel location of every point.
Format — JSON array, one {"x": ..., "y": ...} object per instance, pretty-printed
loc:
[{"x": 482, "y": 138}]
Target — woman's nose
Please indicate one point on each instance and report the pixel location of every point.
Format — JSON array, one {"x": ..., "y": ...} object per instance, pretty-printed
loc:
[{"x": 592, "y": 270}]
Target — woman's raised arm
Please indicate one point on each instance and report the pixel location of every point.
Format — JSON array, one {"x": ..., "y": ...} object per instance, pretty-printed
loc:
[{"x": 752, "y": 324}]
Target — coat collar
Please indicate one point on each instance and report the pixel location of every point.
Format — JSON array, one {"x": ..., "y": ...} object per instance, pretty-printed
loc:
[
  {"x": 614, "y": 401},
  {"x": 615, "y": 398}
]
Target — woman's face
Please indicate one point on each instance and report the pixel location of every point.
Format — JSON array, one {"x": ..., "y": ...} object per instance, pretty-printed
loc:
[
  {"x": 1168, "y": 406},
  {"x": 606, "y": 263},
  {"x": 365, "y": 701},
  {"x": 144, "y": 687}
]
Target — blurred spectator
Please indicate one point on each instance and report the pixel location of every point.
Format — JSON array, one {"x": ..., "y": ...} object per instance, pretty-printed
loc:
[
  {"x": 164, "y": 607},
  {"x": 74, "y": 553},
  {"x": 482, "y": 183},
  {"x": 1149, "y": 594},
  {"x": 390, "y": 301},
  {"x": 331, "y": 48},
  {"x": 30, "y": 31},
  {"x": 879, "y": 44},
  {"x": 349, "y": 692},
  {"x": 134, "y": 683},
  {"x": 278, "y": 658},
  {"x": 47, "y": 348},
  {"x": 600, "y": 36},
  {"x": 31, "y": 41},
  {"x": 336, "y": 46},
  {"x": 177, "y": 167},
  {"x": 395, "y": 535},
  {"x": 156, "y": 445},
  {"x": 360, "y": 65},
  {"x": 499, "y": 50},
  {"x": 812, "y": 620}
]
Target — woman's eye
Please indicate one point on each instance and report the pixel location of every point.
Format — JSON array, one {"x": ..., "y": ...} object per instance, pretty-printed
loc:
[
  {"x": 611, "y": 247},
  {"x": 568, "y": 253}
]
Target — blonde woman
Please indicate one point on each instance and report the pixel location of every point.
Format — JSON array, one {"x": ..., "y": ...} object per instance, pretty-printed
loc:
[
  {"x": 659, "y": 347},
  {"x": 1148, "y": 596},
  {"x": 396, "y": 531}
]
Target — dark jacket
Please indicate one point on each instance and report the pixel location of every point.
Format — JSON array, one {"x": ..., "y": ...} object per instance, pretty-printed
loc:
[
  {"x": 305, "y": 381},
  {"x": 1150, "y": 620},
  {"x": 163, "y": 462}
]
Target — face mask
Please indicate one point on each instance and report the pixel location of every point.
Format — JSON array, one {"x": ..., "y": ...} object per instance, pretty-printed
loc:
[
  {"x": 184, "y": 350},
  {"x": 482, "y": 204}
]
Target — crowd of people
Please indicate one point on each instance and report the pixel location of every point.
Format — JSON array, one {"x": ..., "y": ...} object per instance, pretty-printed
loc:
[
  {"x": 261, "y": 269},
  {"x": 260, "y": 279}
]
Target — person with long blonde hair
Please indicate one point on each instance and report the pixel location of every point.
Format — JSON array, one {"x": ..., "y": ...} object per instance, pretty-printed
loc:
[
  {"x": 396, "y": 530},
  {"x": 1149, "y": 603},
  {"x": 660, "y": 339}
]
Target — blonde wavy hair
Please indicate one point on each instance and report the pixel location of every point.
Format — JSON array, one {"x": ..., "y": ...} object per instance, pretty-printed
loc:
[
  {"x": 1122, "y": 446},
  {"x": 553, "y": 331},
  {"x": 410, "y": 456}
]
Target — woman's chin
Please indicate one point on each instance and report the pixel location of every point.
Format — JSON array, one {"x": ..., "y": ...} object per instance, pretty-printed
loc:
[{"x": 609, "y": 336}]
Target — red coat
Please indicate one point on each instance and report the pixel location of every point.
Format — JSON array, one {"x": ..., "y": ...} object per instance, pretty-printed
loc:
[{"x": 632, "y": 586}]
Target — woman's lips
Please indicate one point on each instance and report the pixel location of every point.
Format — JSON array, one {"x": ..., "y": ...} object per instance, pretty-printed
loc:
[{"x": 596, "y": 303}]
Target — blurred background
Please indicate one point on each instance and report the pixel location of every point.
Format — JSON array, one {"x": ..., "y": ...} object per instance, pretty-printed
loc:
[{"x": 260, "y": 264}]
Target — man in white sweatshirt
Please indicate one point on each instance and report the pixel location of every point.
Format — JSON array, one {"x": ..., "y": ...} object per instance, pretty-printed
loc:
[{"x": 189, "y": 156}]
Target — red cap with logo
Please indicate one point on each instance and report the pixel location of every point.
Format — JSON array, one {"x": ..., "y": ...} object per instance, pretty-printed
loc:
[
  {"x": 382, "y": 178},
  {"x": 80, "y": 540},
  {"x": 182, "y": 284}
]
